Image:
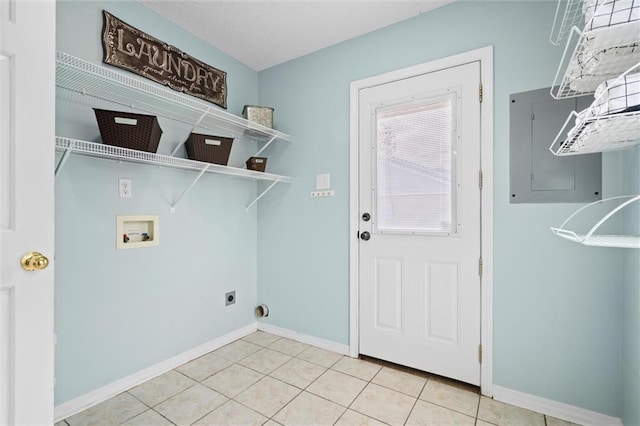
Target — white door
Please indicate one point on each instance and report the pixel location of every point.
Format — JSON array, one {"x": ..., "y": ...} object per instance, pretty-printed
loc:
[
  {"x": 27, "y": 96},
  {"x": 419, "y": 203}
]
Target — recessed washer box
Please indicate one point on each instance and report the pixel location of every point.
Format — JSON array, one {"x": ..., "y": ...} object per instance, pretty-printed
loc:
[{"x": 137, "y": 231}]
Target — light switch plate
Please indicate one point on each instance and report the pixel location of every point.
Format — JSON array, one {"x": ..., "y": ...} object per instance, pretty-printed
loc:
[{"x": 323, "y": 181}]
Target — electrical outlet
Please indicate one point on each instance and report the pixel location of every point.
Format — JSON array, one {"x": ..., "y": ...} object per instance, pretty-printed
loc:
[
  {"x": 124, "y": 186},
  {"x": 230, "y": 298}
]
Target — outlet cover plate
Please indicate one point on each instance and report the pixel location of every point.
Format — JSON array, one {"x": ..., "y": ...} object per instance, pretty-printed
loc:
[
  {"x": 124, "y": 188},
  {"x": 230, "y": 298}
]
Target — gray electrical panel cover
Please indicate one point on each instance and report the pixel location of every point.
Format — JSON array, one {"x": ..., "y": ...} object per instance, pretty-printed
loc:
[{"x": 538, "y": 176}]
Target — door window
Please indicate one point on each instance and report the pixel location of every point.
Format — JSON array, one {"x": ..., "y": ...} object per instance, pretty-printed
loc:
[{"x": 415, "y": 165}]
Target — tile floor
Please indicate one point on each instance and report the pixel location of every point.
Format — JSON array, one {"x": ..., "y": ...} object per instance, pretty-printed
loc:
[{"x": 264, "y": 379}]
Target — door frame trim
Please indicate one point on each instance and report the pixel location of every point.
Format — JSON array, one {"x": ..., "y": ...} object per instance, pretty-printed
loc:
[{"x": 485, "y": 57}]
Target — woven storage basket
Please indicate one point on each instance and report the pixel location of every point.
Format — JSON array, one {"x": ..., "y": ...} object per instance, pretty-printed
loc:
[
  {"x": 212, "y": 149},
  {"x": 127, "y": 130},
  {"x": 258, "y": 164}
]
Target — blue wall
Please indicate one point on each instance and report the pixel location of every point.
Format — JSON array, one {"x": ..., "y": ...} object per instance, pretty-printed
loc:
[
  {"x": 566, "y": 316},
  {"x": 631, "y": 298},
  {"x": 556, "y": 304},
  {"x": 120, "y": 311}
]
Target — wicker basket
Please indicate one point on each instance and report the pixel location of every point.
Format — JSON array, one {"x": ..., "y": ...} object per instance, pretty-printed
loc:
[
  {"x": 127, "y": 130},
  {"x": 258, "y": 164},
  {"x": 211, "y": 149}
]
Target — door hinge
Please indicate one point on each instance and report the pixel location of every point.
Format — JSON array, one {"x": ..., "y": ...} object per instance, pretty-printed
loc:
[
  {"x": 480, "y": 92},
  {"x": 481, "y": 180},
  {"x": 480, "y": 353},
  {"x": 480, "y": 267}
]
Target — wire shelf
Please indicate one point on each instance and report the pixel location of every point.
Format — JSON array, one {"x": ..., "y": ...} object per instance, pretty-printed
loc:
[
  {"x": 99, "y": 150},
  {"x": 565, "y": 18},
  {"x": 606, "y": 133},
  {"x": 599, "y": 54},
  {"x": 104, "y": 83},
  {"x": 618, "y": 241},
  {"x": 597, "y": 132},
  {"x": 601, "y": 240}
]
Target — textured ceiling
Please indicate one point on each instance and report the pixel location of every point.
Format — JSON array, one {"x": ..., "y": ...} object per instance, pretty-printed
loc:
[{"x": 264, "y": 33}]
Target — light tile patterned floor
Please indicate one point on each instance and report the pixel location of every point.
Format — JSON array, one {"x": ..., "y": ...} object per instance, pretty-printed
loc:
[{"x": 264, "y": 379}]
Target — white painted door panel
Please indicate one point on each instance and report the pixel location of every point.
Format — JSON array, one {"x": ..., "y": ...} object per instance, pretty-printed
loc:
[
  {"x": 27, "y": 90},
  {"x": 419, "y": 297},
  {"x": 387, "y": 294}
]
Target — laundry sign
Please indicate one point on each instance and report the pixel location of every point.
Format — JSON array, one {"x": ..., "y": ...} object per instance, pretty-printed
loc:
[{"x": 129, "y": 48}]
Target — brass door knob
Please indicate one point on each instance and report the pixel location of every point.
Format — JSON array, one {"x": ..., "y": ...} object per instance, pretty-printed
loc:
[{"x": 34, "y": 261}]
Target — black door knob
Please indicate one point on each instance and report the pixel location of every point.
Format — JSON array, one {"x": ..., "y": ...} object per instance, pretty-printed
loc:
[
  {"x": 365, "y": 235},
  {"x": 366, "y": 217}
]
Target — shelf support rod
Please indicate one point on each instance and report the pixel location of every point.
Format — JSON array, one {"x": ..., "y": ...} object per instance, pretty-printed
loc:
[
  {"x": 173, "y": 153},
  {"x": 196, "y": 124},
  {"x": 263, "y": 193},
  {"x": 63, "y": 160},
  {"x": 273, "y": 138},
  {"x": 202, "y": 172}
]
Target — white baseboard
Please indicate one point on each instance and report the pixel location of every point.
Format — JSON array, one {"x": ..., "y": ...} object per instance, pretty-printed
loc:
[
  {"x": 304, "y": 338},
  {"x": 553, "y": 408},
  {"x": 99, "y": 395}
]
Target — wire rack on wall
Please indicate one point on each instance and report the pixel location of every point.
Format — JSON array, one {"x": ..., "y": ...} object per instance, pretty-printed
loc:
[
  {"x": 599, "y": 55},
  {"x": 93, "y": 149},
  {"x": 106, "y": 84},
  {"x": 68, "y": 146},
  {"x": 569, "y": 13},
  {"x": 599, "y": 134},
  {"x": 611, "y": 122},
  {"x": 603, "y": 40},
  {"x": 590, "y": 238}
]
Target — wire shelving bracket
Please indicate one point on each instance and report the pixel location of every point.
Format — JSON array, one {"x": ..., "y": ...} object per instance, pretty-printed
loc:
[
  {"x": 65, "y": 156},
  {"x": 262, "y": 194}
]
